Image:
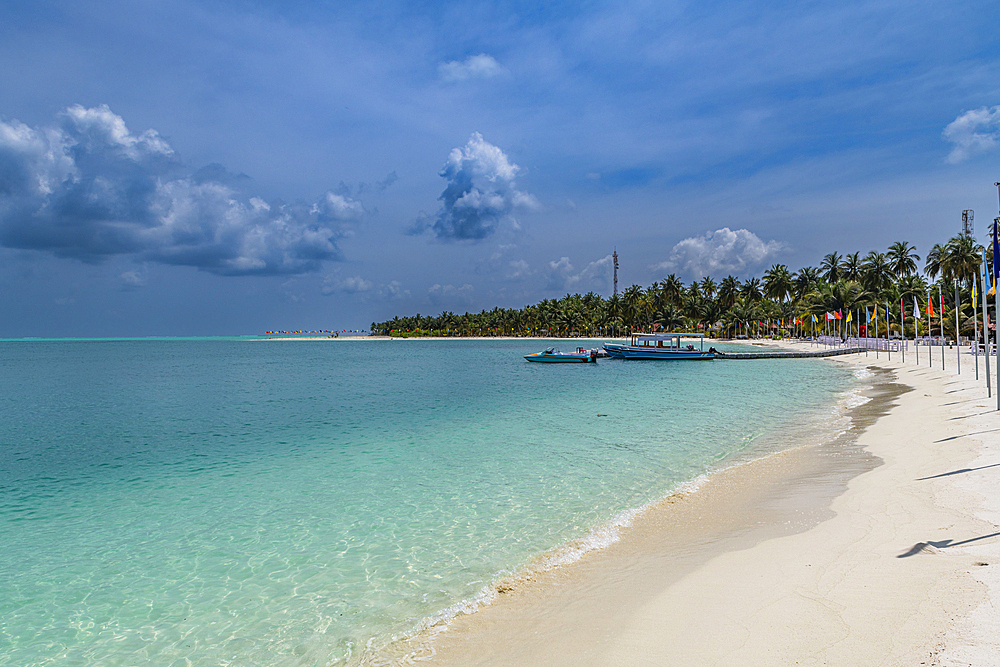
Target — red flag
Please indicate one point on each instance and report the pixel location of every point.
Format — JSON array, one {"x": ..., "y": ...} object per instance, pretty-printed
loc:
[{"x": 839, "y": 315}]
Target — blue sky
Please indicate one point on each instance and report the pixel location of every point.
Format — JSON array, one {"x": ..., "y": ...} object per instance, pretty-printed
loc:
[{"x": 235, "y": 167}]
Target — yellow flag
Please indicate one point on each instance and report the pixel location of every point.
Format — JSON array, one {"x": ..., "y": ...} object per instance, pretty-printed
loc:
[
  {"x": 850, "y": 314},
  {"x": 974, "y": 281},
  {"x": 874, "y": 314}
]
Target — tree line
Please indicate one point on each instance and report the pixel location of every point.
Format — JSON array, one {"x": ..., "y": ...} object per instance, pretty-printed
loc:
[{"x": 779, "y": 301}]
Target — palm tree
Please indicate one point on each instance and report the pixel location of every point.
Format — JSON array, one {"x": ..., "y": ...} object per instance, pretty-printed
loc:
[
  {"x": 751, "y": 291},
  {"x": 708, "y": 287},
  {"x": 806, "y": 280},
  {"x": 778, "y": 282},
  {"x": 903, "y": 259},
  {"x": 673, "y": 289},
  {"x": 831, "y": 267},
  {"x": 853, "y": 267},
  {"x": 932, "y": 266},
  {"x": 961, "y": 260},
  {"x": 729, "y": 291},
  {"x": 877, "y": 275}
]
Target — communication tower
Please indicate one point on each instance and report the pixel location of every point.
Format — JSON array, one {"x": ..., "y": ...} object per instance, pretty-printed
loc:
[
  {"x": 614, "y": 256},
  {"x": 967, "y": 216}
]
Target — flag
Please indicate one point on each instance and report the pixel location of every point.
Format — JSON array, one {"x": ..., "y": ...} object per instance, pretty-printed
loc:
[
  {"x": 815, "y": 319},
  {"x": 974, "y": 281},
  {"x": 930, "y": 306},
  {"x": 829, "y": 316},
  {"x": 839, "y": 315},
  {"x": 916, "y": 308},
  {"x": 868, "y": 317},
  {"x": 987, "y": 283},
  {"x": 996, "y": 254},
  {"x": 849, "y": 316},
  {"x": 874, "y": 312}
]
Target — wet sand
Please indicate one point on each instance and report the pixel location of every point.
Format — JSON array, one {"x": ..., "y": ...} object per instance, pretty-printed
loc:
[{"x": 861, "y": 551}]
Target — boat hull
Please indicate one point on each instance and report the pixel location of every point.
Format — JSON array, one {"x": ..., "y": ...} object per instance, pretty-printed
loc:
[
  {"x": 629, "y": 352},
  {"x": 560, "y": 358}
]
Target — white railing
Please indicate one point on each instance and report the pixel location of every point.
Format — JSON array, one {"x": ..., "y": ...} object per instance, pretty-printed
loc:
[{"x": 891, "y": 345}]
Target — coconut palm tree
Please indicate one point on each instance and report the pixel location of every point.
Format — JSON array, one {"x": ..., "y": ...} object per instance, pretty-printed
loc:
[
  {"x": 903, "y": 259},
  {"x": 778, "y": 282},
  {"x": 961, "y": 260},
  {"x": 932, "y": 266},
  {"x": 831, "y": 267},
  {"x": 729, "y": 291},
  {"x": 853, "y": 267},
  {"x": 806, "y": 280},
  {"x": 751, "y": 291},
  {"x": 877, "y": 275}
]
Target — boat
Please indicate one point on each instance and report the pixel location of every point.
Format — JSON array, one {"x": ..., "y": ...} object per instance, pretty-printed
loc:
[
  {"x": 664, "y": 346},
  {"x": 554, "y": 356}
]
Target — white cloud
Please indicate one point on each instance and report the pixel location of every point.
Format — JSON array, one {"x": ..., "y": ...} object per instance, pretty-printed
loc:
[
  {"x": 482, "y": 66},
  {"x": 720, "y": 252},
  {"x": 480, "y": 194},
  {"x": 90, "y": 189},
  {"x": 450, "y": 295},
  {"x": 975, "y": 131},
  {"x": 349, "y": 285},
  {"x": 131, "y": 280},
  {"x": 393, "y": 291},
  {"x": 596, "y": 276}
]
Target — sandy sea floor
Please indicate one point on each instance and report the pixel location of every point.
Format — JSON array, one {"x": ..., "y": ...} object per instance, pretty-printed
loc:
[{"x": 880, "y": 548}]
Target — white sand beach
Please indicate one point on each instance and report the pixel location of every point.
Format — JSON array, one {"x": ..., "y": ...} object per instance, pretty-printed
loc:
[{"x": 881, "y": 549}]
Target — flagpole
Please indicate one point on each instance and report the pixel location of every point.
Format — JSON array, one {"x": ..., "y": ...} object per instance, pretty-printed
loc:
[
  {"x": 876, "y": 329},
  {"x": 958, "y": 348},
  {"x": 902, "y": 328},
  {"x": 986, "y": 330},
  {"x": 941, "y": 320},
  {"x": 975, "y": 323},
  {"x": 887, "y": 348},
  {"x": 916, "y": 329}
]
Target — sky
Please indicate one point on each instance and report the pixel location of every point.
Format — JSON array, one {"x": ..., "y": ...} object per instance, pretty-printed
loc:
[{"x": 227, "y": 168}]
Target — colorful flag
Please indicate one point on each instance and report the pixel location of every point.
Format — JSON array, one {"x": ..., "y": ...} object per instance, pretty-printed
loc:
[
  {"x": 829, "y": 316},
  {"x": 849, "y": 316},
  {"x": 815, "y": 320},
  {"x": 987, "y": 283},
  {"x": 996, "y": 254},
  {"x": 868, "y": 317},
  {"x": 839, "y": 315},
  {"x": 930, "y": 306}
]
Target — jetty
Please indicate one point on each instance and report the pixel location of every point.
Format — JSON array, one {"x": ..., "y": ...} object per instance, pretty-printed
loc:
[{"x": 782, "y": 354}]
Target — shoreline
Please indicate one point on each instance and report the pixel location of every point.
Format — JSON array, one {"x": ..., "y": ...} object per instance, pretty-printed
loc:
[{"x": 720, "y": 576}]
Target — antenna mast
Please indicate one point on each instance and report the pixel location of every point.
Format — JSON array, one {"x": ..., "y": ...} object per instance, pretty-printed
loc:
[
  {"x": 614, "y": 256},
  {"x": 967, "y": 216}
]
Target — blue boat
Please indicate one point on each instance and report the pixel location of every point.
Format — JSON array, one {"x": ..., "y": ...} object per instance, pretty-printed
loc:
[
  {"x": 663, "y": 346},
  {"x": 554, "y": 356}
]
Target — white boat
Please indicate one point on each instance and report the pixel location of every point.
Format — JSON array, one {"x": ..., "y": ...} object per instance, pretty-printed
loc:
[
  {"x": 663, "y": 346},
  {"x": 554, "y": 356}
]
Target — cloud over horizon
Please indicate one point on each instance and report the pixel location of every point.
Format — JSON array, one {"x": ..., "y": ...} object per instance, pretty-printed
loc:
[
  {"x": 975, "y": 131},
  {"x": 480, "y": 195},
  {"x": 89, "y": 189},
  {"x": 482, "y": 66},
  {"x": 720, "y": 252}
]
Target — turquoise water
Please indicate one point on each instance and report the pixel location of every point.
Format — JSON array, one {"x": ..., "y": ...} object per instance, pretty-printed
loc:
[{"x": 239, "y": 502}]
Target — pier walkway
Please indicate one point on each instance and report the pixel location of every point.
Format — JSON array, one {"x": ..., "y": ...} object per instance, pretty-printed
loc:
[{"x": 781, "y": 354}]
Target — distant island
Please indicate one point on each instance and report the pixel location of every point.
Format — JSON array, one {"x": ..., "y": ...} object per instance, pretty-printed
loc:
[{"x": 782, "y": 302}]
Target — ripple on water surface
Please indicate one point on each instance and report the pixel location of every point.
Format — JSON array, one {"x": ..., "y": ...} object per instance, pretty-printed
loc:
[{"x": 240, "y": 502}]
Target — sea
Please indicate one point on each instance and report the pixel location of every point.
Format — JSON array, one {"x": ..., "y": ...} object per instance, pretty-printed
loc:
[{"x": 232, "y": 501}]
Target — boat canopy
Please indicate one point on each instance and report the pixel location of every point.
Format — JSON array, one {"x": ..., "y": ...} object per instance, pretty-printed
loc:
[{"x": 670, "y": 339}]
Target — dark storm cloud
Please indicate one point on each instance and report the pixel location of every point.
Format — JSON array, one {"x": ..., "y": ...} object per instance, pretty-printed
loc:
[{"x": 89, "y": 189}]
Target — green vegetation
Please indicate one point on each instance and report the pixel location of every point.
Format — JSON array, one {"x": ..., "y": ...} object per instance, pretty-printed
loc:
[{"x": 781, "y": 302}]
